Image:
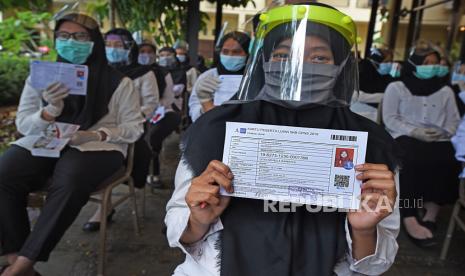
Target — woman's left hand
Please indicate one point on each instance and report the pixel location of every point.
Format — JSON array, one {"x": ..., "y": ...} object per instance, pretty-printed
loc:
[{"x": 378, "y": 197}]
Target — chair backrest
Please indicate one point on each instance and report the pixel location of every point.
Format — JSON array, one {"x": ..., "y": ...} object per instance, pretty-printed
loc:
[{"x": 129, "y": 160}]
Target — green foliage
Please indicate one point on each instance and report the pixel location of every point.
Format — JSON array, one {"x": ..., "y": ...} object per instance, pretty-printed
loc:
[
  {"x": 98, "y": 9},
  {"x": 166, "y": 18},
  {"x": 8, "y": 131},
  {"x": 13, "y": 73},
  {"x": 34, "y": 5},
  {"x": 18, "y": 33}
]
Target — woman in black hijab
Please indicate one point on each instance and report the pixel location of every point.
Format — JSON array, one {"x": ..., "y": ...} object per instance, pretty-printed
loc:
[
  {"x": 122, "y": 53},
  {"x": 302, "y": 74},
  {"x": 109, "y": 119},
  {"x": 421, "y": 114},
  {"x": 231, "y": 57},
  {"x": 376, "y": 72}
]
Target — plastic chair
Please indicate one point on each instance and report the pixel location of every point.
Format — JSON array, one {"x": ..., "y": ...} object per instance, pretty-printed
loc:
[
  {"x": 102, "y": 196},
  {"x": 454, "y": 220}
]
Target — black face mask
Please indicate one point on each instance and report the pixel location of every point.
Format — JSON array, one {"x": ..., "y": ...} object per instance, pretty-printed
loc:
[{"x": 317, "y": 83}]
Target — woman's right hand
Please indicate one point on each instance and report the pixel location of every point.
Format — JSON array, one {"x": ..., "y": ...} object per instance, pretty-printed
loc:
[
  {"x": 203, "y": 197},
  {"x": 54, "y": 95}
]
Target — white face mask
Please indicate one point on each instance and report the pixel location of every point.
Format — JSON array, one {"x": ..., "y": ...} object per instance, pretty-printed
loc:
[{"x": 166, "y": 61}]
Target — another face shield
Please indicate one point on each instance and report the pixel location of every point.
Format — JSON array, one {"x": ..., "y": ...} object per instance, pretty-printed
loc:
[{"x": 302, "y": 53}]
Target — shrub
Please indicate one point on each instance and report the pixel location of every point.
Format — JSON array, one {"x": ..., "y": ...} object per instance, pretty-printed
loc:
[{"x": 13, "y": 72}]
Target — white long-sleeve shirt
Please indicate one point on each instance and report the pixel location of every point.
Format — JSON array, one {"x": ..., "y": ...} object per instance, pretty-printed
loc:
[
  {"x": 201, "y": 256},
  {"x": 403, "y": 112},
  {"x": 147, "y": 87},
  {"x": 123, "y": 123}
]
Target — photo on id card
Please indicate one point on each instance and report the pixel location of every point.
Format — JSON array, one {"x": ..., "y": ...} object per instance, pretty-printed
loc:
[{"x": 343, "y": 171}]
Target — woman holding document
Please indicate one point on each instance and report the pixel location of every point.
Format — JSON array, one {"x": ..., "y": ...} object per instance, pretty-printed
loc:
[
  {"x": 233, "y": 55},
  {"x": 302, "y": 74},
  {"x": 109, "y": 118}
]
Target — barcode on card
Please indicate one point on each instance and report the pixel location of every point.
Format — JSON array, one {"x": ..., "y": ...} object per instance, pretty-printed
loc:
[
  {"x": 344, "y": 138},
  {"x": 341, "y": 180}
]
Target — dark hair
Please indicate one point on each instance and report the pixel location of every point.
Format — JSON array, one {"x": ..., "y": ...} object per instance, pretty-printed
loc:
[
  {"x": 146, "y": 44},
  {"x": 242, "y": 38},
  {"x": 167, "y": 49}
]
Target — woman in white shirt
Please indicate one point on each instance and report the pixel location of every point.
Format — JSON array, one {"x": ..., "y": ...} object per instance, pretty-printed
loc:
[
  {"x": 223, "y": 235},
  {"x": 159, "y": 130},
  {"x": 122, "y": 53},
  {"x": 109, "y": 118},
  {"x": 232, "y": 56},
  {"x": 421, "y": 114}
]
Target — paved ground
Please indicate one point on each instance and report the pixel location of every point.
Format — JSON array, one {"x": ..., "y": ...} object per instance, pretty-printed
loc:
[{"x": 149, "y": 253}]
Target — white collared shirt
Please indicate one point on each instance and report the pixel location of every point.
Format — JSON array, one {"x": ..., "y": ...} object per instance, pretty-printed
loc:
[
  {"x": 403, "y": 112},
  {"x": 123, "y": 124},
  {"x": 201, "y": 256},
  {"x": 149, "y": 93}
]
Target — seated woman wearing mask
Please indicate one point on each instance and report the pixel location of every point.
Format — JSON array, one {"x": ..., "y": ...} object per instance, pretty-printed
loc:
[
  {"x": 183, "y": 57},
  {"x": 421, "y": 114},
  {"x": 302, "y": 74},
  {"x": 156, "y": 133},
  {"x": 233, "y": 55},
  {"x": 376, "y": 71},
  {"x": 168, "y": 61},
  {"x": 122, "y": 52},
  {"x": 109, "y": 118}
]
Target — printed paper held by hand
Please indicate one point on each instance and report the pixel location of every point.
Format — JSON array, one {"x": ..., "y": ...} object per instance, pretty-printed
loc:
[{"x": 293, "y": 164}]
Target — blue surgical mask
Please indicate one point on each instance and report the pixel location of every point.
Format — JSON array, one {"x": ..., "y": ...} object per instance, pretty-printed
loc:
[
  {"x": 182, "y": 58},
  {"x": 146, "y": 59},
  {"x": 116, "y": 55},
  {"x": 74, "y": 51},
  {"x": 442, "y": 71},
  {"x": 456, "y": 77},
  {"x": 384, "y": 68},
  {"x": 425, "y": 71},
  {"x": 233, "y": 63}
]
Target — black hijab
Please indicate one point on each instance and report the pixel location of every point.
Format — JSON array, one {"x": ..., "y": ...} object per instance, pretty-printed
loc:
[
  {"x": 420, "y": 87},
  {"x": 177, "y": 72},
  {"x": 254, "y": 242},
  {"x": 102, "y": 83},
  {"x": 132, "y": 68},
  {"x": 370, "y": 80},
  {"x": 244, "y": 40}
]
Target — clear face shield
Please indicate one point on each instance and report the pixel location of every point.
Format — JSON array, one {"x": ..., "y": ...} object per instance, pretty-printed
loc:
[{"x": 305, "y": 54}]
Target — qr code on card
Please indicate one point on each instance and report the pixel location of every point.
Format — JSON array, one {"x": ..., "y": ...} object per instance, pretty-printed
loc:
[{"x": 341, "y": 181}]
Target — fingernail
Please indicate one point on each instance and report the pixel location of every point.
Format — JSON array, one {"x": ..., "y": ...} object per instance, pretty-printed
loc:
[
  {"x": 230, "y": 175},
  {"x": 358, "y": 167}
]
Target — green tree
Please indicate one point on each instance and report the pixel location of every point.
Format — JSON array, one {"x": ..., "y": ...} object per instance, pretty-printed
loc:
[
  {"x": 34, "y": 5},
  {"x": 19, "y": 33},
  {"x": 166, "y": 18},
  {"x": 99, "y": 9}
]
